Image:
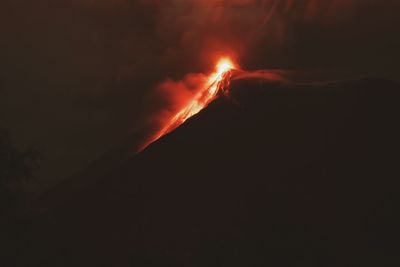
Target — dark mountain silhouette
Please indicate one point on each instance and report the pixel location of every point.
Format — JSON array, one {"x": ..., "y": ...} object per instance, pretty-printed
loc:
[{"x": 275, "y": 174}]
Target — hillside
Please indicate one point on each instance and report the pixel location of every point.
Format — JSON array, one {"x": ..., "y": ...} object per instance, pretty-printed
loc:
[{"x": 275, "y": 174}]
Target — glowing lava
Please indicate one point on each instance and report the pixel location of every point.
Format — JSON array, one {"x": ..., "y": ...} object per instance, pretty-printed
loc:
[{"x": 216, "y": 83}]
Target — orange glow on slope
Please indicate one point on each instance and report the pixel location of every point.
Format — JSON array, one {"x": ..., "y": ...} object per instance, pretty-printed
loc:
[{"x": 216, "y": 83}]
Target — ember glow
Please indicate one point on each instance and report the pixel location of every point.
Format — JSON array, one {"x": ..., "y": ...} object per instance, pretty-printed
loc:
[{"x": 215, "y": 85}]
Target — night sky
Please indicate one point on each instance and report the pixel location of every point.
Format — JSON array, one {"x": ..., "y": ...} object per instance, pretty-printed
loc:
[{"x": 77, "y": 77}]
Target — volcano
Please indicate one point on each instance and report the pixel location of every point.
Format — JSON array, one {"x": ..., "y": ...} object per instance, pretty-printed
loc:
[{"x": 271, "y": 174}]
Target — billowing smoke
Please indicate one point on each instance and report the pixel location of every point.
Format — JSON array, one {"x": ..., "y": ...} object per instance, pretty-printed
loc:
[{"x": 173, "y": 95}]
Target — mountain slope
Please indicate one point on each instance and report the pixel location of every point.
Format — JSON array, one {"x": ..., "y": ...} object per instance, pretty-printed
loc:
[{"x": 275, "y": 174}]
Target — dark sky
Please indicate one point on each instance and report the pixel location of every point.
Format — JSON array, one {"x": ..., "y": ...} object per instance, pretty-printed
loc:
[{"x": 78, "y": 76}]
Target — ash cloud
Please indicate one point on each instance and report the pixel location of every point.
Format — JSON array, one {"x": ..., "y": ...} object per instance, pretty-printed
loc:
[{"x": 279, "y": 34}]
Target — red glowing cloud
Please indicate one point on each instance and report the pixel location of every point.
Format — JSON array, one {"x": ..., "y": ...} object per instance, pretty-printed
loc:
[{"x": 191, "y": 95}]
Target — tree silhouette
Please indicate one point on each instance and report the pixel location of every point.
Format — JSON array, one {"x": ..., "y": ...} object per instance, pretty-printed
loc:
[{"x": 16, "y": 167}]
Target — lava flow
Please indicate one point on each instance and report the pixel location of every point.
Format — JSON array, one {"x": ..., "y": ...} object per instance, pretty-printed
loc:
[{"x": 215, "y": 85}]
